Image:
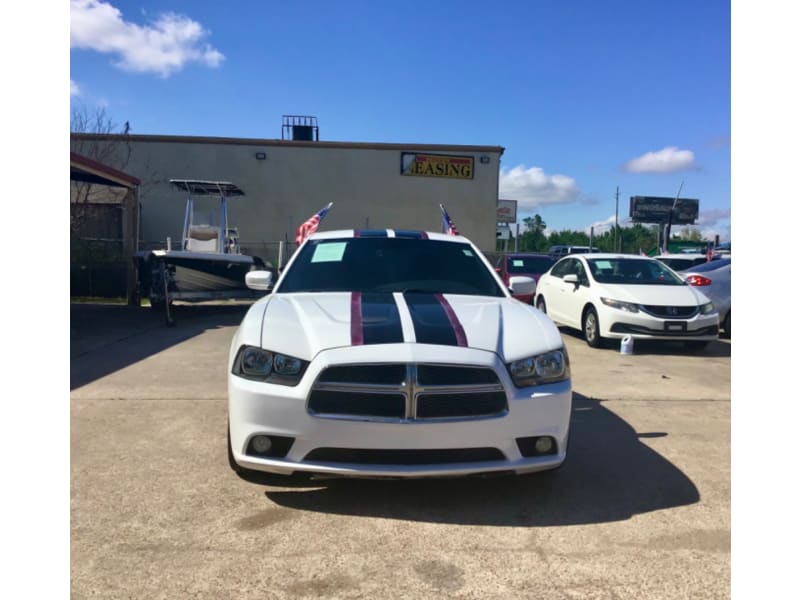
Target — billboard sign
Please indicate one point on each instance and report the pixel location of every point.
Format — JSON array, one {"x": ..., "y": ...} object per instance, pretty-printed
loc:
[
  {"x": 506, "y": 211},
  {"x": 654, "y": 209}
]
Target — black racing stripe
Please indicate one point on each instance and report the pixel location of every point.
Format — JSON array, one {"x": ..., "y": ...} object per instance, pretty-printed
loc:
[
  {"x": 380, "y": 319},
  {"x": 431, "y": 324},
  {"x": 359, "y": 233}
]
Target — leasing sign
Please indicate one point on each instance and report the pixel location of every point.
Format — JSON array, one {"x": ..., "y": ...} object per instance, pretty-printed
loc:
[{"x": 437, "y": 165}]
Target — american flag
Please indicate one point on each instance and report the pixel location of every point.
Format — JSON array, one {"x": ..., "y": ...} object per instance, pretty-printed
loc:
[
  {"x": 447, "y": 223},
  {"x": 310, "y": 226}
]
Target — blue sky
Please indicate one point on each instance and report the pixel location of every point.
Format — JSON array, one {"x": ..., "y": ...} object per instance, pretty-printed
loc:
[{"x": 585, "y": 97}]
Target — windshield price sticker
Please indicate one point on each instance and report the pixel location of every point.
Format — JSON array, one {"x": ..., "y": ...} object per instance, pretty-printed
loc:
[{"x": 330, "y": 252}]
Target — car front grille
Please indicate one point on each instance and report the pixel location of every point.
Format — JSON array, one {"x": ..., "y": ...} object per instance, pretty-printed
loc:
[
  {"x": 670, "y": 312},
  {"x": 407, "y": 391},
  {"x": 404, "y": 457}
]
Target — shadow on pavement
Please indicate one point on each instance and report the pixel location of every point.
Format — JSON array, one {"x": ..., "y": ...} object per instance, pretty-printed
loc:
[
  {"x": 107, "y": 337},
  {"x": 719, "y": 348},
  {"x": 609, "y": 475}
]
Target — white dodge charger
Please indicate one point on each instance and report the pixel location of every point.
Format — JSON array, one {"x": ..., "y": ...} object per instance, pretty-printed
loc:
[{"x": 388, "y": 353}]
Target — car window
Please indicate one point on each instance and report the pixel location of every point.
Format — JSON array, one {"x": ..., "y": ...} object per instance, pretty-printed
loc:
[
  {"x": 580, "y": 271},
  {"x": 561, "y": 268},
  {"x": 632, "y": 271},
  {"x": 529, "y": 264},
  {"x": 679, "y": 264},
  {"x": 711, "y": 265},
  {"x": 389, "y": 265}
]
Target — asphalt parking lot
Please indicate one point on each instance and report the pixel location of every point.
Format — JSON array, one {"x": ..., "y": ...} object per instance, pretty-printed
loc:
[{"x": 640, "y": 509}]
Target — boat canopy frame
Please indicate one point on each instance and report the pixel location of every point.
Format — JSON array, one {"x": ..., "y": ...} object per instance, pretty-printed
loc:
[{"x": 221, "y": 189}]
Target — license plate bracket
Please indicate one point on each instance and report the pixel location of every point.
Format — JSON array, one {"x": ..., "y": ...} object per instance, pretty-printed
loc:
[{"x": 675, "y": 326}]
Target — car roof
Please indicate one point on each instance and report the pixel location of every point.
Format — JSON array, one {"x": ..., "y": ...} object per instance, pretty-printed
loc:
[
  {"x": 401, "y": 233},
  {"x": 601, "y": 255},
  {"x": 688, "y": 255}
]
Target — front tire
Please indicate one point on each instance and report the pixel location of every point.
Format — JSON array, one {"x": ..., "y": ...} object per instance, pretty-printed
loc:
[
  {"x": 591, "y": 329},
  {"x": 726, "y": 325},
  {"x": 540, "y": 304}
]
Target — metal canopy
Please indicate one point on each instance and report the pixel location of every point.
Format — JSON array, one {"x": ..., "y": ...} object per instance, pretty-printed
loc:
[
  {"x": 207, "y": 188},
  {"x": 87, "y": 170}
]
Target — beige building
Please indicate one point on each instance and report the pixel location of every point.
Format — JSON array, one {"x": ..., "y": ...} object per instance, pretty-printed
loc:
[{"x": 371, "y": 185}]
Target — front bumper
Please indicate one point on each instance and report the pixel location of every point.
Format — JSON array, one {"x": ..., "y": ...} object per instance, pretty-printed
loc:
[
  {"x": 643, "y": 326},
  {"x": 257, "y": 408}
]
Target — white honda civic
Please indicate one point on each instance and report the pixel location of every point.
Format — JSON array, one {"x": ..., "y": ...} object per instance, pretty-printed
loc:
[
  {"x": 617, "y": 295},
  {"x": 388, "y": 353}
]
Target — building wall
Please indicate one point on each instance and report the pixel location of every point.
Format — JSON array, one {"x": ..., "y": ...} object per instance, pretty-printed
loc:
[{"x": 296, "y": 179}]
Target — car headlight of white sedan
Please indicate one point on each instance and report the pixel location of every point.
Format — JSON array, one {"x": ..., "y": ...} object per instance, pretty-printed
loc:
[
  {"x": 550, "y": 367},
  {"x": 262, "y": 365},
  {"x": 707, "y": 308},
  {"x": 621, "y": 305}
]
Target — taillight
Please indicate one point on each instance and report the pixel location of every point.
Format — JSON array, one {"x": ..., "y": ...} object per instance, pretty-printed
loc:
[{"x": 698, "y": 280}]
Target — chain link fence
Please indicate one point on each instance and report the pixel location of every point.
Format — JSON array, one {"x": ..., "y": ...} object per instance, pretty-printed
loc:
[{"x": 98, "y": 266}]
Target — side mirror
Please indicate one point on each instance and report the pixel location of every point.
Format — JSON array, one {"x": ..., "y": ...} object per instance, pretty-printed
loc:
[
  {"x": 571, "y": 278},
  {"x": 258, "y": 280},
  {"x": 521, "y": 284}
]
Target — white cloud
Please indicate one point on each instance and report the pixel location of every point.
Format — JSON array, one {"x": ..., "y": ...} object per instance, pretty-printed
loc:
[
  {"x": 532, "y": 188},
  {"x": 600, "y": 227},
  {"x": 163, "y": 47},
  {"x": 74, "y": 90},
  {"x": 668, "y": 160},
  {"x": 716, "y": 221}
]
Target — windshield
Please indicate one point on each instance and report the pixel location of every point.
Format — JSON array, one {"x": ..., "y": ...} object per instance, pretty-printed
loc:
[
  {"x": 389, "y": 265},
  {"x": 529, "y": 264},
  {"x": 632, "y": 271}
]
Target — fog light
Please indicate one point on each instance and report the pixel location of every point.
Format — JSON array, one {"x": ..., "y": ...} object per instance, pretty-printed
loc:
[
  {"x": 262, "y": 444},
  {"x": 544, "y": 445}
]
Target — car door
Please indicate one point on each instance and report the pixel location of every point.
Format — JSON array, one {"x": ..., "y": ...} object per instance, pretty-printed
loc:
[
  {"x": 576, "y": 296},
  {"x": 558, "y": 293}
]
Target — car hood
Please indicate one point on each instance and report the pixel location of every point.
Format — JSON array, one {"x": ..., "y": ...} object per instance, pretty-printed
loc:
[
  {"x": 655, "y": 295},
  {"x": 304, "y": 324}
]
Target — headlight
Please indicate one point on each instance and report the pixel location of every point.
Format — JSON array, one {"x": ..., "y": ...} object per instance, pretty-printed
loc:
[
  {"x": 549, "y": 367},
  {"x": 620, "y": 305},
  {"x": 707, "y": 308},
  {"x": 262, "y": 365}
]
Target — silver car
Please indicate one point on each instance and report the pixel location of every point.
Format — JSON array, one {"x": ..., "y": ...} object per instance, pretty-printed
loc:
[{"x": 714, "y": 280}]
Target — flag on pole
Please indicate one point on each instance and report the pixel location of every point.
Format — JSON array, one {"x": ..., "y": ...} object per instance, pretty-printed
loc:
[
  {"x": 642, "y": 252},
  {"x": 447, "y": 223},
  {"x": 310, "y": 226}
]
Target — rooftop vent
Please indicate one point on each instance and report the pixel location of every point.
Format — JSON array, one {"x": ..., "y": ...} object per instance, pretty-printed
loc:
[{"x": 300, "y": 127}]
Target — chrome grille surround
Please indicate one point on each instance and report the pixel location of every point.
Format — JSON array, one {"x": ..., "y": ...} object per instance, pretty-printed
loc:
[{"x": 482, "y": 396}]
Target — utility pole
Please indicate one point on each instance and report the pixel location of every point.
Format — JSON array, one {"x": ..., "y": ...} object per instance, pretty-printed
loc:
[
  {"x": 616, "y": 222},
  {"x": 668, "y": 229}
]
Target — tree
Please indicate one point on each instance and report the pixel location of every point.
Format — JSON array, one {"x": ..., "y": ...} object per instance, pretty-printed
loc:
[
  {"x": 533, "y": 239},
  {"x": 690, "y": 234},
  {"x": 114, "y": 153}
]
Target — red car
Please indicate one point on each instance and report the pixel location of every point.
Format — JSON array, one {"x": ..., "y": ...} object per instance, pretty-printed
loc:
[{"x": 515, "y": 269}]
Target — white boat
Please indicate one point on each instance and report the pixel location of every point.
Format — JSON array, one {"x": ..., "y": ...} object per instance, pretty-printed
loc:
[{"x": 209, "y": 264}]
